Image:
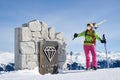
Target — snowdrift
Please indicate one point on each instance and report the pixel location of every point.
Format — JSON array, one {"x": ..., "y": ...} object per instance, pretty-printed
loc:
[{"x": 101, "y": 74}]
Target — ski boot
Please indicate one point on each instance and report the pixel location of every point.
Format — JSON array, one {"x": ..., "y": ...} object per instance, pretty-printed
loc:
[
  {"x": 87, "y": 69},
  {"x": 94, "y": 68}
]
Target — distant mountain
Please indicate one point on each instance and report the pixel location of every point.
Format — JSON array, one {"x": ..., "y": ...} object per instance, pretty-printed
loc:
[
  {"x": 78, "y": 60},
  {"x": 6, "y": 61},
  {"x": 7, "y": 67}
]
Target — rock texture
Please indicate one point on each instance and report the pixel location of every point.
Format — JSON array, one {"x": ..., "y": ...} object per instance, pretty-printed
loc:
[
  {"x": 35, "y": 25},
  {"x": 51, "y": 33},
  {"x": 26, "y": 44}
]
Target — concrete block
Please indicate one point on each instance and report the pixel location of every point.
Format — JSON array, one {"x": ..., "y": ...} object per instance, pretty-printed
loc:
[
  {"x": 35, "y": 25},
  {"x": 32, "y": 58},
  {"x": 61, "y": 57},
  {"x": 51, "y": 33},
  {"x": 27, "y": 47},
  {"x": 16, "y": 47},
  {"x": 60, "y": 64},
  {"x": 36, "y": 35},
  {"x": 31, "y": 65},
  {"x": 25, "y": 25},
  {"x": 25, "y": 34},
  {"x": 44, "y": 30},
  {"x": 59, "y": 36},
  {"x": 22, "y": 62}
]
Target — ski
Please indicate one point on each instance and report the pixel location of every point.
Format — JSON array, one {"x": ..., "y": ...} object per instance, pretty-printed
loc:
[{"x": 96, "y": 25}]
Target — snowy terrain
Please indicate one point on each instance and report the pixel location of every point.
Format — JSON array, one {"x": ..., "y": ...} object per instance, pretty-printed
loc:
[
  {"x": 6, "y": 57},
  {"x": 100, "y": 74},
  {"x": 6, "y": 61},
  {"x": 103, "y": 74},
  {"x": 79, "y": 57}
]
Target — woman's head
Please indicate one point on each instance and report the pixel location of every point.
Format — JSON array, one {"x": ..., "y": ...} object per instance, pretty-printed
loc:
[{"x": 89, "y": 26}]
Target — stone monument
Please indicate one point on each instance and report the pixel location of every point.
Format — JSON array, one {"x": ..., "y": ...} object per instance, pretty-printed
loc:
[{"x": 36, "y": 45}]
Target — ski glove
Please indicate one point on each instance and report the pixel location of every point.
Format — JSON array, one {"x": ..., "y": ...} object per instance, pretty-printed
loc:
[
  {"x": 75, "y": 35},
  {"x": 103, "y": 41}
]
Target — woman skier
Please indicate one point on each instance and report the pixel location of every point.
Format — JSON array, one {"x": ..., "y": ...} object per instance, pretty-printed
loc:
[{"x": 89, "y": 45}]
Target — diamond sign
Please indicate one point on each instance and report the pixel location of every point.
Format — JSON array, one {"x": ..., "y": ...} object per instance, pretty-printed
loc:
[{"x": 50, "y": 52}]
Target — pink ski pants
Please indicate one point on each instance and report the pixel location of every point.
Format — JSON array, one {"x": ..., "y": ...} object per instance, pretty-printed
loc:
[{"x": 87, "y": 50}]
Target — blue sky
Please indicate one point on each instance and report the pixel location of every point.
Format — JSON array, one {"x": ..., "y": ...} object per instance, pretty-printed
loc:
[{"x": 67, "y": 16}]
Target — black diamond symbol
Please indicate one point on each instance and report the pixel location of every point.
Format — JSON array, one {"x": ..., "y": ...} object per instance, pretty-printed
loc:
[{"x": 50, "y": 52}]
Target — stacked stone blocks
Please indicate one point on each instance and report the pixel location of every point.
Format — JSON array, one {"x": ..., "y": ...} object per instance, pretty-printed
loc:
[{"x": 26, "y": 44}]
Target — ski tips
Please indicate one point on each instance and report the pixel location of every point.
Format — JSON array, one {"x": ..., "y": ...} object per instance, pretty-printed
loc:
[
  {"x": 101, "y": 22},
  {"x": 96, "y": 25}
]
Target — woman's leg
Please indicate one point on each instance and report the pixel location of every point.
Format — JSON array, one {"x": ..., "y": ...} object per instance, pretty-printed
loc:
[
  {"x": 86, "y": 50},
  {"x": 94, "y": 57}
]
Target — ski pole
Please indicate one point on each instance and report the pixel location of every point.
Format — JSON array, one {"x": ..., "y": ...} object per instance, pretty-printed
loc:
[
  {"x": 106, "y": 50},
  {"x": 71, "y": 60},
  {"x": 73, "y": 38}
]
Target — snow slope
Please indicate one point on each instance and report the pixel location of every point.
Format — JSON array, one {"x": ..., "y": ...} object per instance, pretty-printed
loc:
[
  {"x": 100, "y": 74},
  {"x": 103, "y": 74},
  {"x": 6, "y": 57},
  {"x": 79, "y": 57}
]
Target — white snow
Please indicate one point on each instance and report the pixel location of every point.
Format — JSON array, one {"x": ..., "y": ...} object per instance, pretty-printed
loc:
[
  {"x": 100, "y": 74},
  {"x": 103, "y": 74},
  {"x": 6, "y": 57},
  {"x": 79, "y": 57}
]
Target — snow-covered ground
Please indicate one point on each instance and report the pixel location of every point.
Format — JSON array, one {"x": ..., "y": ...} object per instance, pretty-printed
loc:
[
  {"x": 103, "y": 74},
  {"x": 100, "y": 74}
]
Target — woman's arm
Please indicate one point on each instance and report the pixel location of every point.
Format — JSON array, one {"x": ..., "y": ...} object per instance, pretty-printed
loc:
[
  {"x": 81, "y": 34},
  {"x": 97, "y": 36}
]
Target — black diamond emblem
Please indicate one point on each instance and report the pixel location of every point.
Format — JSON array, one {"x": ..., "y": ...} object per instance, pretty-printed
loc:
[{"x": 50, "y": 51}]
